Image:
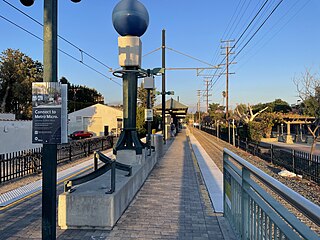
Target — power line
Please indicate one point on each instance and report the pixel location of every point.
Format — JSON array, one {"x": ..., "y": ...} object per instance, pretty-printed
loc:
[
  {"x": 235, "y": 20},
  {"x": 274, "y": 9},
  {"x": 67, "y": 54},
  {"x": 234, "y": 13},
  {"x": 251, "y": 22},
  {"x": 241, "y": 37},
  {"x": 240, "y": 19},
  {"x": 268, "y": 40},
  {"x": 64, "y": 39}
]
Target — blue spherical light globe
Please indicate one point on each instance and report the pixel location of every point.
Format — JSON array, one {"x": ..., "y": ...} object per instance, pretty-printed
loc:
[{"x": 130, "y": 18}]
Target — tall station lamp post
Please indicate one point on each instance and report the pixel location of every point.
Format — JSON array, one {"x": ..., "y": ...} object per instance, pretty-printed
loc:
[
  {"x": 49, "y": 161},
  {"x": 130, "y": 19}
]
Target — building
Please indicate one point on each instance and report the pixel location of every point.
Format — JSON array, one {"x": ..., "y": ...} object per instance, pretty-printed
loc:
[
  {"x": 15, "y": 135},
  {"x": 175, "y": 111},
  {"x": 98, "y": 119}
]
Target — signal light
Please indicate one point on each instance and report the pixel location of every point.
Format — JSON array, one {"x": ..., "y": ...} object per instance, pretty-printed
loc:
[{"x": 27, "y": 3}]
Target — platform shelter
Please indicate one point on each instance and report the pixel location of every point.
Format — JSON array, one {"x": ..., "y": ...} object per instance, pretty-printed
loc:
[{"x": 175, "y": 111}]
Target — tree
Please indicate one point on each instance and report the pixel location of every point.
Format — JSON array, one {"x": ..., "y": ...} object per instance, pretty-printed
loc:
[
  {"x": 81, "y": 96},
  {"x": 141, "y": 106},
  {"x": 277, "y": 105},
  {"x": 216, "y": 112},
  {"x": 17, "y": 72},
  {"x": 142, "y": 97},
  {"x": 246, "y": 114},
  {"x": 308, "y": 88},
  {"x": 267, "y": 120}
]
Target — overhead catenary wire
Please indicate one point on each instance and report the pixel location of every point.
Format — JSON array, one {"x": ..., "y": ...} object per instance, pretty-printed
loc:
[
  {"x": 67, "y": 54},
  {"x": 153, "y": 51},
  {"x": 64, "y": 39},
  {"x": 189, "y": 56}
]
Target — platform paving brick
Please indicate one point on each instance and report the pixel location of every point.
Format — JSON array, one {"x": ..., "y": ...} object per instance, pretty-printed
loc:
[
  {"x": 170, "y": 204},
  {"x": 173, "y": 203}
]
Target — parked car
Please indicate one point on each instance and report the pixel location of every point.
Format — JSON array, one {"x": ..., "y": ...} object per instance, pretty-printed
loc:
[{"x": 80, "y": 135}]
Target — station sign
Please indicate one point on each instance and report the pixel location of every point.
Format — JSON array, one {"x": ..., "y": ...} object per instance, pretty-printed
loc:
[
  {"x": 49, "y": 113},
  {"x": 148, "y": 115}
]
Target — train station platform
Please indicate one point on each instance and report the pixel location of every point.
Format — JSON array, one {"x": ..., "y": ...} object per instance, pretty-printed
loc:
[{"x": 173, "y": 203}]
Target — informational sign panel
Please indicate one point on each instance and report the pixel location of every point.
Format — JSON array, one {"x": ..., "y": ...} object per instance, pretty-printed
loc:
[
  {"x": 47, "y": 113},
  {"x": 148, "y": 115}
]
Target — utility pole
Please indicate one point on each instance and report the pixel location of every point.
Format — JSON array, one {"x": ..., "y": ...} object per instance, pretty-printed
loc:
[
  {"x": 199, "y": 93},
  {"x": 208, "y": 84},
  {"x": 228, "y": 52},
  {"x": 164, "y": 85}
]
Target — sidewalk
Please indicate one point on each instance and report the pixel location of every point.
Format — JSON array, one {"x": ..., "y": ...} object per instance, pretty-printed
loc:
[
  {"x": 298, "y": 146},
  {"x": 173, "y": 203}
]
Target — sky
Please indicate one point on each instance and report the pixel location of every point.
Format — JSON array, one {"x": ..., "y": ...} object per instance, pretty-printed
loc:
[{"x": 264, "y": 67}]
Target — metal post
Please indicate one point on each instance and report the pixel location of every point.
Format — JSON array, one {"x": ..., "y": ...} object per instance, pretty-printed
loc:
[
  {"x": 233, "y": 134},
  {"x": 293, "y": 152},
  {"x": 245, "y": 203},
  {"x": 164, "y": 85},
  {"x": 217, "y": 129},
  {"x": 49, "y": 194},
  {"x": 149, "y": 122},
  {"x": 247, "y": 145},
  {"x": 271, "y": 153},
  {"x": 129, "y": 98},
  {"x": 227, "y": 82},
  {"x": 113, "y": 176},
  {"x": 95, "y": 161},
  {"x": 49, "y": 163},
  {"x": 70, "y": 152},
  {"x": 229, "y": 132},
  {"x": 129, "y": 137},
  {"x": 1, "y": 158}
]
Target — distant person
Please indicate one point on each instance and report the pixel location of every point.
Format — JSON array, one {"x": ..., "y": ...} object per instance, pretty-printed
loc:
[{"x": 172, "y": 130}]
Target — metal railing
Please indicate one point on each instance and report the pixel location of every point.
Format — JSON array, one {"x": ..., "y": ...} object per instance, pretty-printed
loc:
[
  {"x": 19, "y": 164},
  {"x": 299, "y": 162},
  {"x": 23, "y": 163},
  {"x": 254, "y": 213},
  {"x": 97, "y": 172}
]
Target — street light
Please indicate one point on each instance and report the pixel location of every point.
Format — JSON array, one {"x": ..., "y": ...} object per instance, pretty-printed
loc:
[
  {"x": 29, "y": 3},
  {"x": 49, "y": 160}
]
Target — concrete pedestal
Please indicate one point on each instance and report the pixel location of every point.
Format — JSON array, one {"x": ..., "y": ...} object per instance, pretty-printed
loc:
[
  {"x": 288, "y": 139},
  {"x": 89, "y": 207},
  {"x": 129, "y": 157}
]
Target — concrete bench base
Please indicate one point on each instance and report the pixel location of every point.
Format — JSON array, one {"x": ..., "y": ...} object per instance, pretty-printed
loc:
[{"x": 89, "y": 207}]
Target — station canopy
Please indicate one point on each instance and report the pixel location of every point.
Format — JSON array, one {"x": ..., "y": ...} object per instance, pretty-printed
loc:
[{"x": 174, "y": 108}]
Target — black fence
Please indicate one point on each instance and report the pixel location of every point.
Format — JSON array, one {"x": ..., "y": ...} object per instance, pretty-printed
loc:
[
  {"x": 299, "y": 162},
  {"x": 23, "y": 163}
]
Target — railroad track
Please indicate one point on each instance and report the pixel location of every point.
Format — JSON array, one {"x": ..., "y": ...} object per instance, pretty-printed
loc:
[{"x": 214, "y": 148}]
